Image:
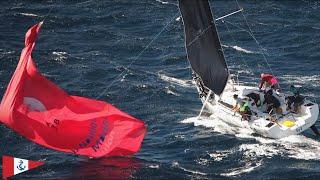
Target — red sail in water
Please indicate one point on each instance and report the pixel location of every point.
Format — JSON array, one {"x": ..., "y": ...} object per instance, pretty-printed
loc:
[{"x": 39, "y": 110}]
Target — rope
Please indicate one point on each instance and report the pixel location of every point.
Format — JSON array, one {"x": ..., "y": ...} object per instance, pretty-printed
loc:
[
  {"x": 252, "y": 35},
  {"x": 138, "y": 56},
  {"x": 241, "y": 55},
  {"x": 135, "y": 59},
  {"x": 45, "y": 17},
  {"x": 200, "y": 34},
  {"x": 261, "y": 49}
]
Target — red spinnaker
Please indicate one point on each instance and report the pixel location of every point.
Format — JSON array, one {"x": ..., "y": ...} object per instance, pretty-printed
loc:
[{"x": 39, "y": 110}]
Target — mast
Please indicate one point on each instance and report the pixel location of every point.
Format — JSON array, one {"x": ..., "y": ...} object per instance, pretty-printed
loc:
[{"x": 202, "y": 44}]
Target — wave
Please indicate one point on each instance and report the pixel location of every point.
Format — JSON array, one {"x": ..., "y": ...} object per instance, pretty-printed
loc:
[
  {"x": 295, "y": 146},
  {"x": 165, "y": 2},
  {"x": 240, "y": 49},
  {"x": 60, "y": 56},
  {"x": 154, "y": 166},
  {"x": 169, "y": 91},
  {"x": 177, "y": 165},
  {"x": 313, "y": 80},
  {"x": 218, "y": 125},
  {"x": 29, "y": 14},
  {"x": 162, "y": 2},
  {"x": 203, "y": 161},
  {"x": 180, "y": 82},
  {"x": 220, "y": 155},
  {"x": 3, "y": 53},
  {"x": 248, "y": 167},
  {"x": 85, "y": 2}
]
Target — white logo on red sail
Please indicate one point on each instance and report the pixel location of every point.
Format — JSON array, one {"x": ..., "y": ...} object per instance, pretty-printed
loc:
[{"x": 34, "y": 104}]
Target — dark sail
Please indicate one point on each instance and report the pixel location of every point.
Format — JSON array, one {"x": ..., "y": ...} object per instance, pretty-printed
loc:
[{"x": 203, "y": 44}]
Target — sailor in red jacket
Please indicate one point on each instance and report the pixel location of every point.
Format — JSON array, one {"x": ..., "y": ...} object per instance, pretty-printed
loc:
[{"x": 269, "y": 80}]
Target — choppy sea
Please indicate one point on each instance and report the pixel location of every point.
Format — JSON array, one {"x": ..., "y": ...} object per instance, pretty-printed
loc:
[{"x": 131, "y": 54}]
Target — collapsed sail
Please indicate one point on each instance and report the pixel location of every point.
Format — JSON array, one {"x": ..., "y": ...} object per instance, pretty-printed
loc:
[
  {"x": 203, "y": 44},
  {"x": 39, "y": 110}
]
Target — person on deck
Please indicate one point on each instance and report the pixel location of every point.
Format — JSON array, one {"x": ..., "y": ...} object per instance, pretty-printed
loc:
[
  {"x": 239, "y": 101},
  {"x": 268, "y": 80},
  {"x": 256, "y": 99},
  {"x": 242, "y": 107},
  {"x": 296, "y": 99},
  {"x": 245, "y": 111},
  {"x": 272, "y": 103}
]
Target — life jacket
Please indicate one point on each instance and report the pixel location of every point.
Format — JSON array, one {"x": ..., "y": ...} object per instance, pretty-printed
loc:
[{"x": 244, "y": 107}]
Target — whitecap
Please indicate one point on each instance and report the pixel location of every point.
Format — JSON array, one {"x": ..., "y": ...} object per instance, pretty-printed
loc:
[
  {"x": 180, "y": 82},
  {"x": 245, "y": 169},
  {"x": 3, "y": 53},
  {"x": 179, "y": 136},
  {"x": 60, "y": 55},
  {"x": 220, "y": 155},
  {"x": 313, "y": 80},
  {"x": 177, "y": 165},
  {"x": 295, "y": 146},
  {"x": 154, "y": 166},
  {"x": 166, "y": 2},
  {"x": 240, "y": 49},
  {"x": 123, "y": 77},
  {"x": 203, "y": 161},
  {"x": 29, "y": 14},
  {"x": 162, "y": 2},
  {"x": 169, "y": 91}
]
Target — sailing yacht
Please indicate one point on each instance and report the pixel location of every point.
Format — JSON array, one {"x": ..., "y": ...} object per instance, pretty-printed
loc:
[{"x": 217, "y": 89}]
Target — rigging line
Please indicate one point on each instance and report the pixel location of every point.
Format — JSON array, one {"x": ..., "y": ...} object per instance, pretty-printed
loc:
[
  {"x": 252, "y": 35},
  {"x": 241, "y": 9},
  {"x": 138, "y": 56},
  {"x": 241, "y": 55},
  {"x": 200, "y": 34},
  {"x": 261, "y": 49},
  {"x": 207, "y": 28},
  {"x": 45, "y": 17}
]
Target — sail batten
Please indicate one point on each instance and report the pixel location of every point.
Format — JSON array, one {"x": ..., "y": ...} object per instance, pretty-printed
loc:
[{"x": 203, "y": 46}]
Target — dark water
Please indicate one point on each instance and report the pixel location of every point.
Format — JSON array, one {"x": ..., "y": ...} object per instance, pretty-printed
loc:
[{"x": 91, "y": 47}]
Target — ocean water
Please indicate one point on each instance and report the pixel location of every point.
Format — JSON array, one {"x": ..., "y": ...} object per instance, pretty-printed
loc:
[{"x": 102, "y": 49}]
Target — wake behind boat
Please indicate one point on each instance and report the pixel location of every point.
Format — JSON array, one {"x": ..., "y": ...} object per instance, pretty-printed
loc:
[{"x": 220, "y": 94}]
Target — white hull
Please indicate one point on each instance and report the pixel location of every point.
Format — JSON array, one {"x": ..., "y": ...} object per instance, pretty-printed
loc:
[{"x": 259, "y": 123}]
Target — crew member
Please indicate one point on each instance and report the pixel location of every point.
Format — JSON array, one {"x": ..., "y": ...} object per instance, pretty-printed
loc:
[
  {"x": 242, "y": 107},
  {"x": 272, "y": 103},
  {"x": 268, "y": 80},
  {"x": 255, "y": 97},
  {"x": 245, "y": 111},
  {"x": 297, "y": 100},
  {"x": 239, "y": 101}
]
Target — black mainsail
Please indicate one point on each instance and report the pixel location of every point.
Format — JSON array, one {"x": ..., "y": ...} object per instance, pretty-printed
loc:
[{"x": 203, "y": 45}]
